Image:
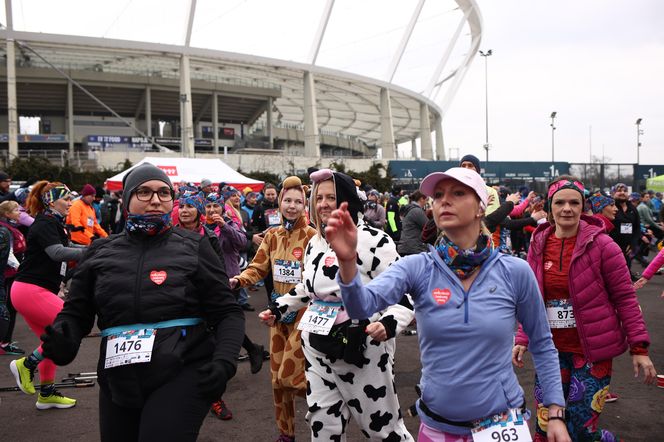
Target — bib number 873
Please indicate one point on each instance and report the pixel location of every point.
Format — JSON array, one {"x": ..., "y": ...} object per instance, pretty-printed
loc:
[
  {"x": 565, "y": 314},
  {"x": 505, "y": 435},
  {"x": 127, "y": 346}
]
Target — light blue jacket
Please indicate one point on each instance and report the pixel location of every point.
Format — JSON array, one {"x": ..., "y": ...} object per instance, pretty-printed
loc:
[{"x": 466, "y": 341}]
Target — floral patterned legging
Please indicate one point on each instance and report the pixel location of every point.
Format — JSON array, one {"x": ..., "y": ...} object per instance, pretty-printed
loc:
[{"x": 585, "y": 385}]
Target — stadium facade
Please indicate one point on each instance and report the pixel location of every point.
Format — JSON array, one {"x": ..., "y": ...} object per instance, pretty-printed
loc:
[{"x": 105, "y": 99}]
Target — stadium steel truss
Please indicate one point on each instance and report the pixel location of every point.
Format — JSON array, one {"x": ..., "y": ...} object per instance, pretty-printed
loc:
[{"x": 149, "y": 81}]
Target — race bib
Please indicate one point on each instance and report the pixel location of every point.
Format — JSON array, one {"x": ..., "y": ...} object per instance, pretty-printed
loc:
[
  {"x": 273, "y": 217},
  {"x": 626, "y": 228},
  {"x": 91, "y": 222},
  {"x": 560, "y": 314},
  {"x": 289, "y": 272},
  {"x": 129, "y": 347},
  {"x": 504, "y": 427},
  {"x": 319, "y": 317}
]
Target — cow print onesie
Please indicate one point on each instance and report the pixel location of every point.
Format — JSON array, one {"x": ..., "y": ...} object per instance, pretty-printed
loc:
[{"x": 336, "y": 389}]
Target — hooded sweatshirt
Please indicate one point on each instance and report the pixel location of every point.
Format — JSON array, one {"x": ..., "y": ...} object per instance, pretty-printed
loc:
[{"x": 466, "y": 338}]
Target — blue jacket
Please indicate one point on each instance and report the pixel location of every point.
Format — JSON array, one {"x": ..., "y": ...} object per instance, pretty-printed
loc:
[{"x": 466, "y": 338}]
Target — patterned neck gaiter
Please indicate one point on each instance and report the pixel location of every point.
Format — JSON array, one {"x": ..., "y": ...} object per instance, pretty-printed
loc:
[
  {"x": 288, "y": 224},
  {"x": 55, "y": 214},
  {"x": 149, "y": 225},
  {"x": 464, "y": 262}
]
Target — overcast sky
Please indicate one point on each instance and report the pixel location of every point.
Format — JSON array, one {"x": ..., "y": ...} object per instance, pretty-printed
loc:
[{"x": 597, "y": 63}]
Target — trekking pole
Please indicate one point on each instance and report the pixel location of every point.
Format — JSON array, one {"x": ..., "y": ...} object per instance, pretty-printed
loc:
[
  {"x": 79, "y": 378},
  {"x": 83, "y": 384},
  {"x": 85, "y": 373}
]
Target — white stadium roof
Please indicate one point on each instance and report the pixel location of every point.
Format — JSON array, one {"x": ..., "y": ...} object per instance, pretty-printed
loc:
[{"x": 417, "y": 49}]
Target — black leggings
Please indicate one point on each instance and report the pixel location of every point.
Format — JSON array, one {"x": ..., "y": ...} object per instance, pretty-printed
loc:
[
  {"x": 173, "y": 412},
  {"x": 12, "y": 313}
]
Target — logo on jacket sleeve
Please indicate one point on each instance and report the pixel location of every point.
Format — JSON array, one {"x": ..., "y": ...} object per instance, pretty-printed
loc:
[
  {"x": 158, "y": 276},
  {"x": 441, "y": 296},
  {"x": 548, "y": 265}
]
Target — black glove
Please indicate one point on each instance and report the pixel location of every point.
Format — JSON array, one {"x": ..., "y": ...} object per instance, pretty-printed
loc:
[
  {"x": 57, "y": 346},
  {"x": 214, "y": 376}
]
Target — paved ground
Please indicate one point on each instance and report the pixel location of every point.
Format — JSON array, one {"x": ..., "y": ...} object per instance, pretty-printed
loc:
[{"x": 637, "y": 416}]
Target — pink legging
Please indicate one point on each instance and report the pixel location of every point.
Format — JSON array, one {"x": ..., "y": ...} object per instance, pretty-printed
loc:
[{"x": 39, "y": 307}]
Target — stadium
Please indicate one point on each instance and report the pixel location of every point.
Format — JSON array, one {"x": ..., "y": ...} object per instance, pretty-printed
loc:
[{"x": 98, "y": 100}]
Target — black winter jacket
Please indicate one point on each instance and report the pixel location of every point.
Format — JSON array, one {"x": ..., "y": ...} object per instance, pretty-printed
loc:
[{"x": 121, "y": 281}]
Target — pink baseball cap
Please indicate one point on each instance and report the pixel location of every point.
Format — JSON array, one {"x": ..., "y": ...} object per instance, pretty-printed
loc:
[{"x": 467, "y": 177}]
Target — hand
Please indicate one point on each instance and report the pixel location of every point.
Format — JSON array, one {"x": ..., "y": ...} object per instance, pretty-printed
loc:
[
  {"x": 57, "y": 346},
  {"x": 377, "y": 331},
  {"x": 644, "y": 363},
  {"x": 257, "y": 239},
  {"x": 341, "y": 233},
  {"x": 645, "y": 239},
  {"x": 267, "y": 317},
  {"x": 531, "y": 195},
  {"x": 218, "y": 219},
  {"x": 490, "y": 200},
  {"x": 556, "y": 431},
  {"x": 540, "y": 214},
  {"x": 213, "y": 379},
  {"x": 514, "y": 197},
  {"x": 233, "y": 282},
  {"x": 640, "y": 283},
  {"x": 517, "y": 355}
]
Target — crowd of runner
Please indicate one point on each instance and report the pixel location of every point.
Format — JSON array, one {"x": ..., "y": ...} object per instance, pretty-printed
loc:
[{"x": 483, "y": 273}]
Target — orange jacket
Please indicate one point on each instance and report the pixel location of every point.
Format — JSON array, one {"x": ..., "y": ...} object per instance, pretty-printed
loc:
[{"x": 83, "y": 215}]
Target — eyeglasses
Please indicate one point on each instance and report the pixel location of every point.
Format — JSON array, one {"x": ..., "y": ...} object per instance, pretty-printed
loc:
[{"x": 146, "y": 194}]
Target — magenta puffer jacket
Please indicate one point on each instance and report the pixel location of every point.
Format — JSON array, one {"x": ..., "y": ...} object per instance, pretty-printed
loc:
[{"x": 607, "y": 311}]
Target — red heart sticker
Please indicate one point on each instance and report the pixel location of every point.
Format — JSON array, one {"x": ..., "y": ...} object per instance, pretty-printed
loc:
[
  {"x": 548, "y": 265},
  {"x": 441, "y": 296},
  {"x": 158, "y": 277},
  {"x": 297, "y": 252},
  {"x": 329, "y": 261}
]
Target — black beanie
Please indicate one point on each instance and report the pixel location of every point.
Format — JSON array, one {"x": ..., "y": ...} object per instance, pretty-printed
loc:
[
  {"x": 473, "y": 159},
  {"x": 139, "y": 175}
]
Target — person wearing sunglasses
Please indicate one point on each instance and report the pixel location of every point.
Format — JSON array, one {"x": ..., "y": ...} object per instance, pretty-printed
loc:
[
  {"x": 34, "y": 293},
  {"x": 170, "y": 326}
]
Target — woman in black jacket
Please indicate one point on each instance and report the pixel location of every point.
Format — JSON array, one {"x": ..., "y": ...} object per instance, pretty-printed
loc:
[{"x": 171, "y": 327}]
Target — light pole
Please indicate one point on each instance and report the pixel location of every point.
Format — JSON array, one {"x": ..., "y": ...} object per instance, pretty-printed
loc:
[
  {"x": 553, "y": 131},
  {"x": 639, "y": 132},
  {"x": 486, "y": 100}
]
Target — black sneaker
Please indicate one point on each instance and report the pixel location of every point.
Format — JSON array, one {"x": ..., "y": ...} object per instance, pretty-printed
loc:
[
  {"x": 256, "y": 358},
  {"x": 221, "y": 411},
  {"x": 11, "y": 349}
]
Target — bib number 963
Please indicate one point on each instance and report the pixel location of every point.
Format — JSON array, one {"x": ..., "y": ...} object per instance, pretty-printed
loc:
[{"x": 505, "y": 435}]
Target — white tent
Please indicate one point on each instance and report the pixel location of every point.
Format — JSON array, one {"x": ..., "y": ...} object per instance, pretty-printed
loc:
[{"x": 192, "y": 170}]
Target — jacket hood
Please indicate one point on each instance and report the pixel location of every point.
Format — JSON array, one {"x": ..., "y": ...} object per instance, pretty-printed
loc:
[
  {"x": 408, "y": 208},
  {"x": 589, "y": 228}
]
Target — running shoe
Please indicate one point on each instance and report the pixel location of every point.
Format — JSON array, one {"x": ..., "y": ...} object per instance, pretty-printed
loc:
[
  {"x": 54, "y": 400},
  {"x": 221, "y": 411},
  {"x": 23, "y": 375},
  {"x": 256, "y": 358},
  {"x": 610, "y": 397},
  {"x": 11, "y": 349}
]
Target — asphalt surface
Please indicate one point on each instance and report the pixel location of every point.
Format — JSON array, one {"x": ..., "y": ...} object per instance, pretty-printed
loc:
[{"x": 636, "y": 416}]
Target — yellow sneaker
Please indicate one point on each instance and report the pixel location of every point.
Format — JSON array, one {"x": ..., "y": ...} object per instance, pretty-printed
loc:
[
  {"x": 23, "y": 375},
  {"x": 55, "y": 400}
]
